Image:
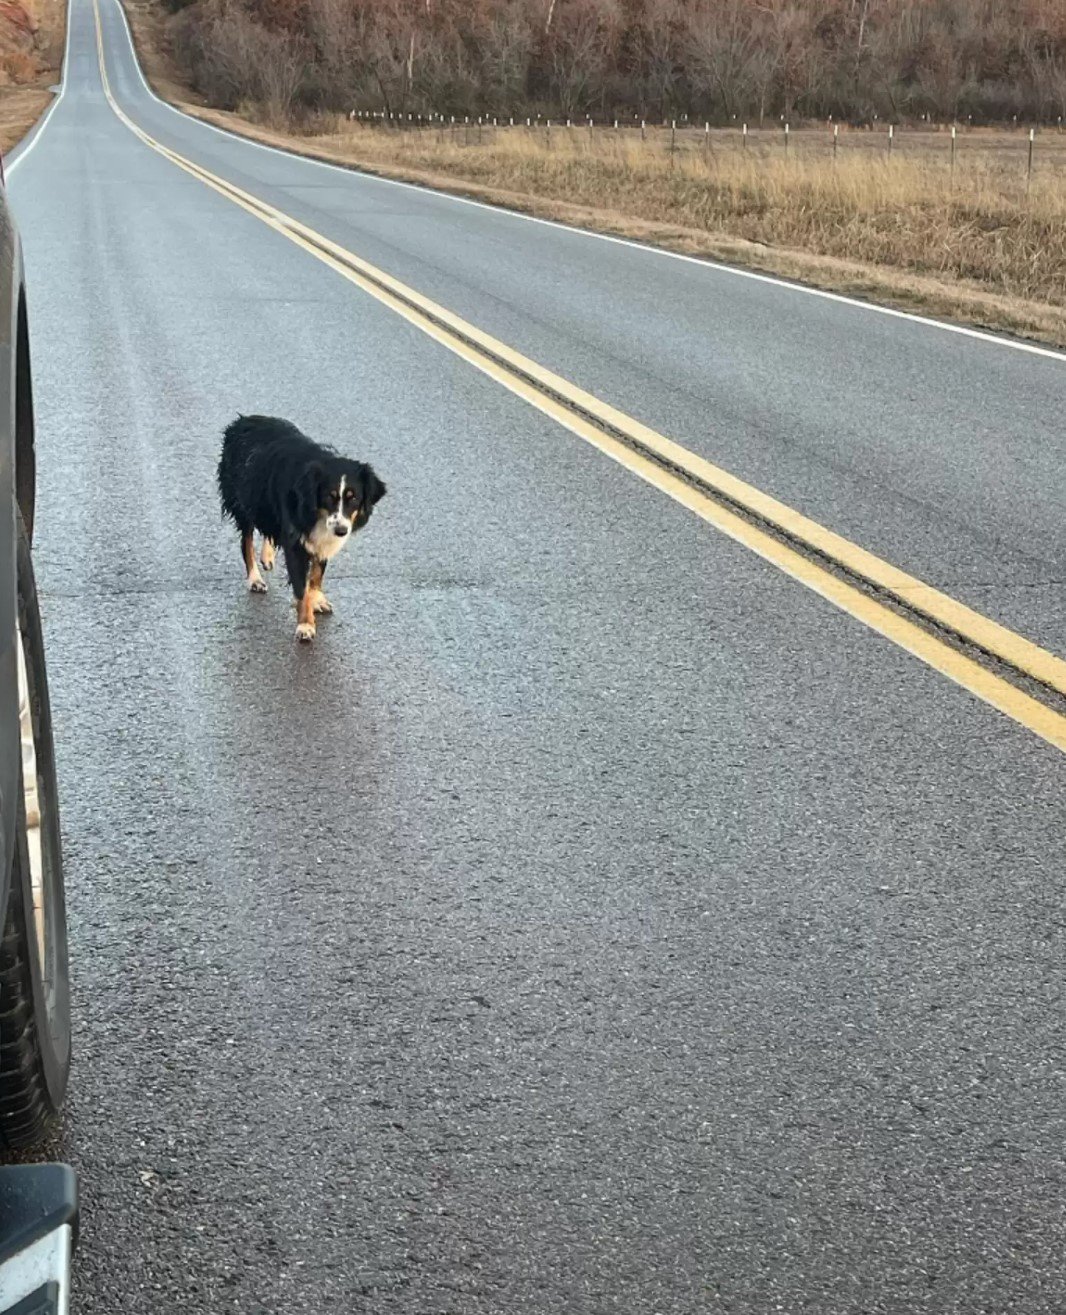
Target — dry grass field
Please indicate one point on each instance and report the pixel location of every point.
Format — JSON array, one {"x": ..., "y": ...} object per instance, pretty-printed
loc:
[{"x": 908, "y": 210}]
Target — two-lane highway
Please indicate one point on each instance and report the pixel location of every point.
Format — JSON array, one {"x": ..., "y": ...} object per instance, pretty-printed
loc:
[
  {"x": 934, "y": 449},
  {"x": 595, "y": 919}
]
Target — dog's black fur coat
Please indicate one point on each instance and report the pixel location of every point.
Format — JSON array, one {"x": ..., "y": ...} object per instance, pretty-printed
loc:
[{"x": 274, "y": 479}]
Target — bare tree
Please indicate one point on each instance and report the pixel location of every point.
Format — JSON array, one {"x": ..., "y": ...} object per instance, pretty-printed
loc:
[
  {"x": 720, "y": 51},
  {"x": 580, "y": 49},
  {"x": 505, "y": 47},
  {"x": 659, "y": 53}
]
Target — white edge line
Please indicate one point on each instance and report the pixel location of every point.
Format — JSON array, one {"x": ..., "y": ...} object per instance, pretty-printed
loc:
[
  {"x": 996, "y": 340},
  {"x": 23, "y": 148}
]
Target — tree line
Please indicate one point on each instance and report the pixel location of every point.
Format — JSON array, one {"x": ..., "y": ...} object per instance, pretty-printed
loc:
[{"x": 719, "y": 60}]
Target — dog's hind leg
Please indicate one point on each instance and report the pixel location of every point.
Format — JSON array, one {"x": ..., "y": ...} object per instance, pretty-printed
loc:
[
  {"x": 254, "y": 581},
  {"x": 267, "y": 554}
]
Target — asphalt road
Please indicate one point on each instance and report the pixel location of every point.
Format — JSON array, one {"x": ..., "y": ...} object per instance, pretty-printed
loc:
[{"x": 594, "y": 920}]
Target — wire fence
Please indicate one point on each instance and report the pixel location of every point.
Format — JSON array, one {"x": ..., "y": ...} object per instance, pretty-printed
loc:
[{"x": 1016, "y": 153}]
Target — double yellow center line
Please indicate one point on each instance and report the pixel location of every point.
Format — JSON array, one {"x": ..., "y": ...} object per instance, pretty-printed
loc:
[{"x": 929, "y": 624}]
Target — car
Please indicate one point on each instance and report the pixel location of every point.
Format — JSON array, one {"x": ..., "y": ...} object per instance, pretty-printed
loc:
[{"x": 38, "y": 1202}]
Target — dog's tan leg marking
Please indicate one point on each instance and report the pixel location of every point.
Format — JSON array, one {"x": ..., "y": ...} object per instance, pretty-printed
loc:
[
  {"x": 320, "y": 604},
  {"x": 255, "y": 582},
  {"x": 267, "y": 554},
  {"x": 305, "y": 617}
]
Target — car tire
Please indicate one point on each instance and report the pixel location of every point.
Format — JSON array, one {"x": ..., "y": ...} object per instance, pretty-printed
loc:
[{"x": 34, "y": 971}]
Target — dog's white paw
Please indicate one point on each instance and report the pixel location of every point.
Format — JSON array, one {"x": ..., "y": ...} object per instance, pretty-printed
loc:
[
  {"x": 305, "y": 633},
  {"x": 267, "y": 555},
  {"x": 256, "y": 584},
  {"x": 321, "y": 605}
]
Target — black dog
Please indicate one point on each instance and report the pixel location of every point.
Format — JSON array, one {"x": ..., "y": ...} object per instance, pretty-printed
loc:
[{"x": 300, "y": 496}]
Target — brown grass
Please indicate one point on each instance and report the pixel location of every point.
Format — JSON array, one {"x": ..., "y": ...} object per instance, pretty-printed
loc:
[
  {"x": 972, "y": 246},
  {"x": 31, "y": 60},
  {"x": 864, "y": 209},
  {"x": 20, "y": 108}
]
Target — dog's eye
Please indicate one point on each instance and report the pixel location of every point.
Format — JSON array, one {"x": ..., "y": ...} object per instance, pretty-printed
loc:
[{"x": 349, "y": 494}]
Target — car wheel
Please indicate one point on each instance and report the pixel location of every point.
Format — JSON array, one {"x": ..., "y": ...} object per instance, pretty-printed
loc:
[{"x": 34, "y": 974}]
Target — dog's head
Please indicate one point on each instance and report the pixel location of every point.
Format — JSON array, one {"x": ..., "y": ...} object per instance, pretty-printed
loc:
[{"x": 334, "y": 498}]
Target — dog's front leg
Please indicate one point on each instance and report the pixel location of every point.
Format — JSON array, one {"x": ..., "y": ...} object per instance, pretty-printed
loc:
[
  {"x": 298, "y": 565},
  {"x": 320, "y": 604},
  {"x": 305, "y": 617}
]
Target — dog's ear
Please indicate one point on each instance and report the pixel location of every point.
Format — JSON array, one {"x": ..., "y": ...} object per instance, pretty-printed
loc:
[
  {"x": 373, "y": 488},
  {"x": 305, "y": 497}
]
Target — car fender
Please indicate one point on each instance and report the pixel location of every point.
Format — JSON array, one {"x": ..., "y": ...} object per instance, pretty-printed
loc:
[{"x": 11, "y": 279}]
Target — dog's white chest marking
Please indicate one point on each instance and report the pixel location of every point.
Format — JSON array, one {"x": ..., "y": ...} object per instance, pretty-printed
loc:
[{"x": 324, "y": 542}]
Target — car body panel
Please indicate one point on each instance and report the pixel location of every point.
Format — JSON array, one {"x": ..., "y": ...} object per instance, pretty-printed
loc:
[{"x": 10, "y": 750}]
